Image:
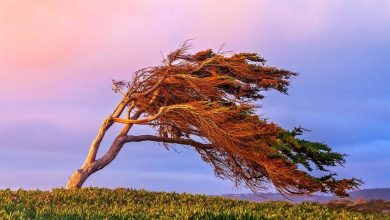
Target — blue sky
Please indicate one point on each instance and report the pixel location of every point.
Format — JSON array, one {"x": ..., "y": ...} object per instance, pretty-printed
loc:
[{"x": 55, "y": 83}]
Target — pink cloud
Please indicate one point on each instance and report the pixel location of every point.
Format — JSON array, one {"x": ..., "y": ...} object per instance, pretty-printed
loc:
[{"x": 59, "y": 51}]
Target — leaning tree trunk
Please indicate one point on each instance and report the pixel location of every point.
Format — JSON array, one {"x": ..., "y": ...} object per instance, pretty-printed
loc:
[
  {"x": 89, "y": 167},
  {"x": 91, "y": 164}
]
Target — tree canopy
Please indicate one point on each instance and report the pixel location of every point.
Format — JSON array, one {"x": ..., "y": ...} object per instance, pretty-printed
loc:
[{"x": 208, "y": 101}]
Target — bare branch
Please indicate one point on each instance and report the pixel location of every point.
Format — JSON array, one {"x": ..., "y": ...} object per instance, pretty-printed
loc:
[{"x": 140, "y": 138}]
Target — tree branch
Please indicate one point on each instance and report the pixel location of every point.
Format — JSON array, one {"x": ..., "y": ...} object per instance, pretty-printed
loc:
[
  {"x": 140, "y": 138},
  {"x": 147, "y": 92},
  {"x": 107, "y": 123},
  {"x": 127, "y": 127},
  {"x": 160, "y": 112},
  {"x": 121, "y": 140}
]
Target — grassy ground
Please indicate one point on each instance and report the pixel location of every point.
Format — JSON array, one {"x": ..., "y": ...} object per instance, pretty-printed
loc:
[{"x": 95, "y": 203}]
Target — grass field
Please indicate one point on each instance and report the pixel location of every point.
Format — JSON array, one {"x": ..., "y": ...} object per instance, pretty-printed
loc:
[{"x": 96, "y": 203}]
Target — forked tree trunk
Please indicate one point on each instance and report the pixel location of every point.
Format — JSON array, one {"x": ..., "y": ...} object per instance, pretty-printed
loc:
[
  {"x": 91, "y": 165},
  {"x": 77, "y": 179}
]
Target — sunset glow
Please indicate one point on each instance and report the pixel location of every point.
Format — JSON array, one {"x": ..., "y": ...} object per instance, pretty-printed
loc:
[{"x": 57, "y": 60}]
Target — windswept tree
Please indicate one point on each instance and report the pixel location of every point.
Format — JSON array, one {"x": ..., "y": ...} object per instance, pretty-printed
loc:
[{"x": 208, "y": 101}]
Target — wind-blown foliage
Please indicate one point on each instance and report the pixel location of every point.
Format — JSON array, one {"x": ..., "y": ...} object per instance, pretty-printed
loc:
[{"x": 208, "y": 100}]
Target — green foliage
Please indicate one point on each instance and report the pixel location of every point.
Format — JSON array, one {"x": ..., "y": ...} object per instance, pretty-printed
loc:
[
  {"x": 94, "y": 203},
  {"x": 303, "y": 152}
]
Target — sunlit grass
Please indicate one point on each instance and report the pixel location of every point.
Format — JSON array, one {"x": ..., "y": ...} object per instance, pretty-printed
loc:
[{"x": 95, "y": 203}]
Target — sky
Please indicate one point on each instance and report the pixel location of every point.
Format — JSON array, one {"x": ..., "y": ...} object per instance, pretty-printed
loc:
[{"x": 57, "y": 59}]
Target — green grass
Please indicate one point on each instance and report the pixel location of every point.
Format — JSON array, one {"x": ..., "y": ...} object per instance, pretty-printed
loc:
[{"x": 95, "y": 203}]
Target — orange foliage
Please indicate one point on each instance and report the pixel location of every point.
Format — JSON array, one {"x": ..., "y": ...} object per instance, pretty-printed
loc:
[{"x": 208, "y": 100}]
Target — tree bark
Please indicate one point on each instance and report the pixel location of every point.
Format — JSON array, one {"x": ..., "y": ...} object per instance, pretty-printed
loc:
[{"x": 77, "y": 179}]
